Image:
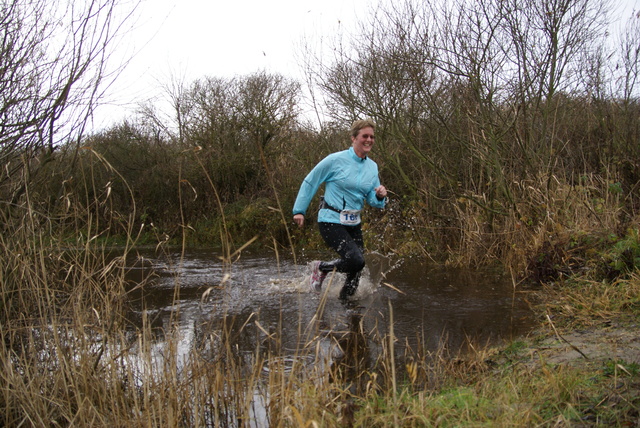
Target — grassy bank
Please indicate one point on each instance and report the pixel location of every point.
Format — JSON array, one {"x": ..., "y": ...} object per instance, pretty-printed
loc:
[
  {"x": 71, "y": 358},
  {"x": 581, "y": 367}
]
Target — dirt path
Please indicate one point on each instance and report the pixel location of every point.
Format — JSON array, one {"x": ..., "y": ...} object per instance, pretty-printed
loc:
[{"x": 606, "y": 343}]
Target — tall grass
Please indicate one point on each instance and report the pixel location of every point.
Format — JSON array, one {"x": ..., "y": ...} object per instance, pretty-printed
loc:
[{"x": 71, "y": 358}]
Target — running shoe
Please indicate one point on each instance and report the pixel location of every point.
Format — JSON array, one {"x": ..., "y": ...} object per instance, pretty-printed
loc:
[{"x": 317, "y": 276}]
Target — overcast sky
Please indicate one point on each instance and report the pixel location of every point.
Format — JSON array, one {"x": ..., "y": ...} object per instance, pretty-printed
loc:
[
  {"x": 196, "y": 38},
  {"x": 191, "y": 39}
]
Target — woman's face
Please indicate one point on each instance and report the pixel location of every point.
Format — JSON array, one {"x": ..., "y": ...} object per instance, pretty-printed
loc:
[{"x": 363, "y": 142}]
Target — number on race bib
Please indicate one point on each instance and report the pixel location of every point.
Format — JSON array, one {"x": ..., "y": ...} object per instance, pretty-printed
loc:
[{"x": 350, "y": 217}]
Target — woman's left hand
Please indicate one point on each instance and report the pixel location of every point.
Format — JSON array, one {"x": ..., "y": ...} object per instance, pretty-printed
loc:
[{"x": 381, "y": 192}]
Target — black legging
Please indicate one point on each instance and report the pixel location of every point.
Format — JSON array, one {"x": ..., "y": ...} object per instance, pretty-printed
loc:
[{"x": 348, "y": 243}]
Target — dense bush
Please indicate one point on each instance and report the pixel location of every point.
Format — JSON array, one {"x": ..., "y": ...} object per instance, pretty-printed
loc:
[{"x": 486, "y": 161}]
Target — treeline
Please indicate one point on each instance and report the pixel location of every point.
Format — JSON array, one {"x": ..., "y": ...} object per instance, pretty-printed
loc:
[{"x": 507, "y": 131}]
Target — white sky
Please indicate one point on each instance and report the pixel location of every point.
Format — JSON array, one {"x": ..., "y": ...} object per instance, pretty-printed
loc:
[{"x": 191, "y": 39}]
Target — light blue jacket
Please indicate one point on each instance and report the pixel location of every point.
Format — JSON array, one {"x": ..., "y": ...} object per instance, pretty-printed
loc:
[{"x": 349, "y": 181}]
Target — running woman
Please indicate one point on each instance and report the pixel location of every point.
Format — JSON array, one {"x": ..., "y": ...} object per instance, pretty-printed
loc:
[{"x": 350, "y": 178}]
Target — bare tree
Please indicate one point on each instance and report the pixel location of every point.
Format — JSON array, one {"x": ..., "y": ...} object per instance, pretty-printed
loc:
[
  {"x": 475, "y": 69},
  {"x": 166, "y": 114},
  {"x": 267, "y": 105},
  {"x": 233, "y": 121},
  {"x": 627, "y": 67},
  {"x": 53, "y": 67}
]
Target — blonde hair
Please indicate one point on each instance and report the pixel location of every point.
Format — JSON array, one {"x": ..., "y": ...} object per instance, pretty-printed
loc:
[{"x": 359, "y": 125}]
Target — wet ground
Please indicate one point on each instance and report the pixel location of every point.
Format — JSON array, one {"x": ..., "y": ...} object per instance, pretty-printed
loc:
[{"x": 258, "y": 295}]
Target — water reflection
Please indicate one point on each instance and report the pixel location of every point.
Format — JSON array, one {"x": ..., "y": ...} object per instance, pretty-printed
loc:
[
  {"x": 353, "y": 361},
  {"x": 256, "y": 298}
]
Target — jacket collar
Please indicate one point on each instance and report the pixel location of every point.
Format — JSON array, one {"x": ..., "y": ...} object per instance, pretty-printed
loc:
[{"x": 355, "y": 156}]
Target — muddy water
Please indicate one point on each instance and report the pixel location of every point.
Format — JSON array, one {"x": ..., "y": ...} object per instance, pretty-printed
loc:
[{"x": 428, "y": 306}]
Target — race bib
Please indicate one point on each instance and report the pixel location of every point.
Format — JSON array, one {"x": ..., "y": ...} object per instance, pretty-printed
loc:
[{"x": 350, "y": 217}]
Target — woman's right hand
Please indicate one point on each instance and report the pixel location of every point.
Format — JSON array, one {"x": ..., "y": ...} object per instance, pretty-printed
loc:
[{"x": 299, "y": 219}]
